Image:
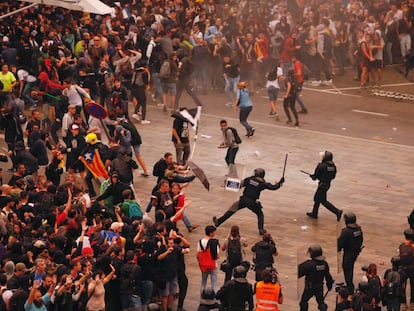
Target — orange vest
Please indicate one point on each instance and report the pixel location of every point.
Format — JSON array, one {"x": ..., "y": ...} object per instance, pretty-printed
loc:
[{"x": 267, "y": 296}]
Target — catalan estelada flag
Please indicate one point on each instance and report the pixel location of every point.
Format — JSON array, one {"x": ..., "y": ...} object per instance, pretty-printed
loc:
[{"x": 93, "y": 163}]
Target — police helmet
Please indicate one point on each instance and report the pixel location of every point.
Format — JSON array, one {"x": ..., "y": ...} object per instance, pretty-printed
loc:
[
  {"x": 409, "y": 234},
  {"x": 259, "y": 172},
  {"x": 350, "y": 218},
  {"x": 396, "y": 261},
  {"x": 315, "y": 251},
  {"x": 239, "y": 272},
  {"x": 91, "y": 138},
  {"x": 363, "y": 286},
  {"x": 327, "y": 156}
]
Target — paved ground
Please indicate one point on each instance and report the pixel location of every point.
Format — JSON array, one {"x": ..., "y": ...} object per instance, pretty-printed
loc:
[{"x": 372, "y": 142}]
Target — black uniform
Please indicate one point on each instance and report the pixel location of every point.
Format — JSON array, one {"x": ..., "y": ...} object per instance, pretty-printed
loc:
[
  {"x": 315, "y": 272},
  {"x": 234, "y": 295},
  {"x": 350, "y": 241},
  {"x": 325, "y": 172},
  {"x": 253, "y": 186}
]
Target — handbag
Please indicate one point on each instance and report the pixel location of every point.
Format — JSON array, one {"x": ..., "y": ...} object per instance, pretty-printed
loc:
[{"x": 225, "y": 266}]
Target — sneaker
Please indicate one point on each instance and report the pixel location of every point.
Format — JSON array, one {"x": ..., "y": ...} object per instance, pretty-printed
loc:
[
  {"x": 160, "y": 105},
  {"x": 311, "y": 215},
  {"x": 252, "y": 131},
  {"x": 304, "y": 111},
  {"x": 154, "y": 99},
  {"x": 316, "y": 83},
  {"x": 135, "y": 116},
  {"x": 145, "y": 122},
  {"x": 144, "y": 174},
  {"x": 297, "y": 123},
  {"x": 229, "y": 104},
  {"x": 272, "y": 114},
  {"x": 329, "y": 82},
  {"x": 339, "y": 215},
  {"x": 215, "y": 221}
]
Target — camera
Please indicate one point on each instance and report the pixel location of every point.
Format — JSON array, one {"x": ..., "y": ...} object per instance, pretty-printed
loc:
[{"x": 338, "y": 286}]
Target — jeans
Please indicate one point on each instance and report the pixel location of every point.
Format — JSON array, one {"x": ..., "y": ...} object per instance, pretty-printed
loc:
[
  {"x": 182, "y": 152},
  {"x": 231, "y": 87},
  {"x": 26, "y": 92},
  {"x": 405, "y": 44},
  {"x": 231, "y": 155},
  {"x": 213, "y": 276},
  {"x": 147, "y": 288},
  {"x": 156, "y": 84},
  {"x": 244, "y": 113},
  {"x": 300, "y": 101}
]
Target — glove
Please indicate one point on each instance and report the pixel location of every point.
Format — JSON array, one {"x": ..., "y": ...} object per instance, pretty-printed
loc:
[
  {"x": 313, "y": 177},
  {"x": 282, "y": 180}
]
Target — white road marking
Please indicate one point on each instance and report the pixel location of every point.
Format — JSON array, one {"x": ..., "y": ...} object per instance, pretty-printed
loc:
[
  {"x": 370, "y": 112},
  {"x": 332, "y": 91},
  {"x": 218, "y": 117},
  {"x": 384, "y": 85}
]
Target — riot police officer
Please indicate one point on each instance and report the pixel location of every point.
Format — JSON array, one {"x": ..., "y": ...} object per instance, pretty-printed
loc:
[
  {"x": 325, "y": 171},
  {"x": 253, "y": 186},
  {"x": 235, "y": 294},
  {"x": 350, "y": 241},
  {"x": 315, "y": 270}
]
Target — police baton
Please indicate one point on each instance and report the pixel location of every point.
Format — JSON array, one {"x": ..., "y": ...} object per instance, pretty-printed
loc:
[
  {"x": 326, "y": 294},
  {"x": 305, "y": 172},
  {"x": 284, "y": 166}
]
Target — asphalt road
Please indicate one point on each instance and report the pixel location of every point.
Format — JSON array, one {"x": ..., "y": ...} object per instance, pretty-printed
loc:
[{"x": 373, "y": 146}]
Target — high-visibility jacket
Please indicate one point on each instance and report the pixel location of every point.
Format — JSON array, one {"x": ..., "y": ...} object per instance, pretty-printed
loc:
[{"x": 267, "y": 296}]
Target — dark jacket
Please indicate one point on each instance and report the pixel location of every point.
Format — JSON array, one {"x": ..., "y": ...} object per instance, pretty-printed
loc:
[
  {"x": 264, "y": 252},
  {"x": 116, "y": 191},
  {"x": 38, "y": 148},
  {"x": 254, "y": 185},
  {"x": 124, "y": 165},
  {"x": 315, "y": 272},
  {"x": 235, "y": 294}
]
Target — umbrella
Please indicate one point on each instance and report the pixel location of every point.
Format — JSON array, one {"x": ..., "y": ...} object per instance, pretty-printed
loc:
[
  {"x": 189, "y": 115},
  {"x": 199, "y": 173},
  {"x": 91, "y": 6}
]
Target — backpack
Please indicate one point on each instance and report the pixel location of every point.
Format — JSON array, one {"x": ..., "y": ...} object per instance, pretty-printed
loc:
[
  {"x": 108, "y": 81},
  {"x": 296, "y": 86},
  {"x": 392, "y": 287},
  {"x": 234, "y": 252},
  {"x": 205, "y": 259},
  {"x": 406, "y": 254},
  {"x": 126, "y": 69},
  {"x": 165, "y": 70},
  {"x": 135, "y": 136},
  {"x": 134, "y": 209},
  {"x": 157, "y": 57},
  {"x": 272, "y": 75},
  {"x": 237, "y": 138}
]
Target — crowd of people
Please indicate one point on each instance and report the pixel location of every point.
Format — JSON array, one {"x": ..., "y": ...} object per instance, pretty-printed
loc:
[{"x": 63, "y": 246}]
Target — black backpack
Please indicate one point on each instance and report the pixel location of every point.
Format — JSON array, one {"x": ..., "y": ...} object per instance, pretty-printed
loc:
[
  {"x": 237, "y": 138},
  {"x": 234, "y": 252},
  {"x": 406, "y": 254},
  {"x": 327, "y": 43},
  {"x": 135, "y": 136},
  {"x": 272, "y": 75},
  {"x": 392, "y": 287}
]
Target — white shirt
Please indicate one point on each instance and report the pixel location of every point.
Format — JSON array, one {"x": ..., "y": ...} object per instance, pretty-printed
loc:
[
  {"x": 23, "y": 75},
  {"x": 275, "y": 83}
]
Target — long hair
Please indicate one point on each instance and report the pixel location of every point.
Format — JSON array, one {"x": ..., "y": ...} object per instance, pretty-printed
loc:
[{"x": 235, "y": 231}]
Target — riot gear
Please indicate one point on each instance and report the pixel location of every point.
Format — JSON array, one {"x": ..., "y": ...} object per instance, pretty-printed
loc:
[
  {"x": 409, "y": 234},
  {"x": 327, "y": 156},
  {"x": 315, "y": 251},
  {"x": 239, "y": 272},
  {"x": 350, "y": 218},
  {"x": 259, "y": 172}
]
